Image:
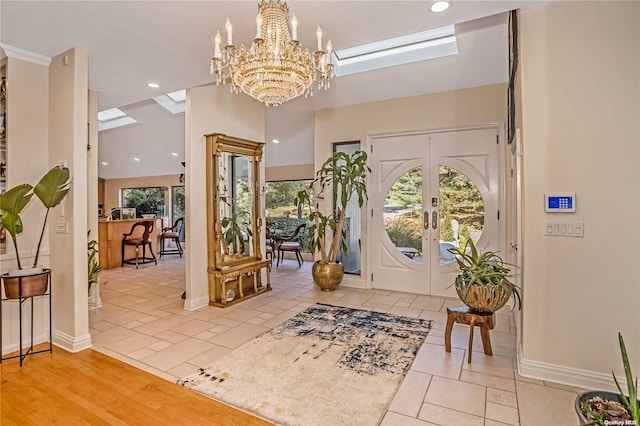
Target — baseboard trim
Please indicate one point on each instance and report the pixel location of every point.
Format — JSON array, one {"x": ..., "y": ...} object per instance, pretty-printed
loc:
[
  {"x": 70, "y": 343},
  {"x": 197, "y": 303},
  {"x": 15, "y": 347},
  {"x": 562, "y": 374},
  {"x": 353, "y": 281}
]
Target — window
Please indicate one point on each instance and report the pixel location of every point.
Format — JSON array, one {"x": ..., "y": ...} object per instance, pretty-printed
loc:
[
  {"x": 147, "y": 200},
  {"x": 112, "y": 118},
  {"x": 279, "y": 198},
  {"x": 352, "y": 222},
  {"x": 282, "y": 215},
  {"x": 430, "y": 44},
  {"x": 177, "y": 207}
]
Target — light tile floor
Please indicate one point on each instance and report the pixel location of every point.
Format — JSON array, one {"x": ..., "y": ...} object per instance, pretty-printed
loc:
[{"x": 143, "y": 323}]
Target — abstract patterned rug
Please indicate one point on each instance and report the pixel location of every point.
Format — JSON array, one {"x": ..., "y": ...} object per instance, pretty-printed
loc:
[{"x": 328, "y": 365}]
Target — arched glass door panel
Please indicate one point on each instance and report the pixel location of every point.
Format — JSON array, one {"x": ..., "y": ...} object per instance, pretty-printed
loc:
[
  {"x": 402, "y": 213},
  {"x": 461, "y": 211}
]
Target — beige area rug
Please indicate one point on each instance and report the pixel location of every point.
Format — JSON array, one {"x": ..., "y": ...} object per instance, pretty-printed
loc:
[{"x": 328, "y": 365}]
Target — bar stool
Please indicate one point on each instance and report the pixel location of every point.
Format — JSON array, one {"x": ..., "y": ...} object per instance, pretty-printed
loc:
[
  {"x": 137, "y": 241},
  {"x": 172, "y": 233}
]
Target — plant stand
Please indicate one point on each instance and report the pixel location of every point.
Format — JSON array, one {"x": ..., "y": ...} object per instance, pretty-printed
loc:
[
  {"x": 95, "y": 301},
  {"x": 21, "y": 300},
  {"x": 464, "y": 315}
]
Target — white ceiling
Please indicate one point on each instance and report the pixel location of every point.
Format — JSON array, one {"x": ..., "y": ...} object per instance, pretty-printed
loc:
[{"x": 131, "y": 43}]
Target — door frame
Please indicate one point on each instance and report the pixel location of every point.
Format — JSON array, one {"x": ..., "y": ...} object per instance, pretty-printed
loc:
[{"x": 500, "y": 129}]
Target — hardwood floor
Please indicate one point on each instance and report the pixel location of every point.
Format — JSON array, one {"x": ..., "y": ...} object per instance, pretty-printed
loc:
[{"x": 89, "y": 388}]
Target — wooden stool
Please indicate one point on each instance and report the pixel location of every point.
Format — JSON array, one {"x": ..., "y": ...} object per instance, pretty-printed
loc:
[{"x": 465, "y": 315}]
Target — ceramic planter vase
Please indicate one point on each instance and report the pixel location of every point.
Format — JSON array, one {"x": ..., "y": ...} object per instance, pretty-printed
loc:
[
  {"x": 327, "y": 275},
  {"x": 585, "y": 396},
  {"x": 35, "y": 284}
]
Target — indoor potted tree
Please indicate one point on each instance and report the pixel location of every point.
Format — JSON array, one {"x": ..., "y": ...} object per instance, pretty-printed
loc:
[
  {"x": 347, "y": 175},
  {"x": 608, "y": 408},
  {"x": 51, "y": 190},
  {"x": 483, "y": 284}
]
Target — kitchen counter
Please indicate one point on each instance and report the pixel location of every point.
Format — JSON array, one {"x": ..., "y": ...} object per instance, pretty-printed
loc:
[{"x": 110, "y": 240}]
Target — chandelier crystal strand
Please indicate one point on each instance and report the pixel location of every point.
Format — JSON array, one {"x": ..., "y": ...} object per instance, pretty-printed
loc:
[{"x": 274, "y": 68}]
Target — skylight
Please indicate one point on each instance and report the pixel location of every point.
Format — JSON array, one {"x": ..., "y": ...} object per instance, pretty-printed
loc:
[
  {"x": 173, "y": 102},
  {"x": 429, "y": 44},
  {"x": 112, "y": 118},
  {"x": 178, "y": 96},
  {"x": 110, "y": 114}
]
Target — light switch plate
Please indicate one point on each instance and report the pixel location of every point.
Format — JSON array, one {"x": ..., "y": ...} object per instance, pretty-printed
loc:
[
  {"x": 564, "y": 229},
  {"x": 62, "y": 227}
]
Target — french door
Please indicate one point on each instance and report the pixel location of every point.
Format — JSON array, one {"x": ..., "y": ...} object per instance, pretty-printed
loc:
[{"x": 431, "y": 192}]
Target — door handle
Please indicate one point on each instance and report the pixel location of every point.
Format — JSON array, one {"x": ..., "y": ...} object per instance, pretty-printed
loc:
[
  {"x": 434, "y": 219},
  {"x": 425, "y": 219}
]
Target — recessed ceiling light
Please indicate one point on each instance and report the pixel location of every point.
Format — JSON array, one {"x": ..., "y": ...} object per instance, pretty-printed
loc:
[
  {"x": 275, "y": 141},
  {"x": 440, "y": 6},
  {"x": 153, "y": 85},
  {"x": 104, "y": 163},
  {"x": 136, "y": 158},
  {"x": 175, "y": 154}
]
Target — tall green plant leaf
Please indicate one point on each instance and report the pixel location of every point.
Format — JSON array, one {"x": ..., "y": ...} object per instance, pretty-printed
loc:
[
  {"x": 51, "y": 190},
  {"x": 53, "y": 186},
  {"x": 13, "y": 202},
  {"x": 630, "y": 400}
]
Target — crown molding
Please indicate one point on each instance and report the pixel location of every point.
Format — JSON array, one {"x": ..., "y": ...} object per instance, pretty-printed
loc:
[{"x": 24, "y": 55}]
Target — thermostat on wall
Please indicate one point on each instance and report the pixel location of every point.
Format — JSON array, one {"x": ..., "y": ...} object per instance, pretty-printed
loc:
[{"x": 564, "y": 202}]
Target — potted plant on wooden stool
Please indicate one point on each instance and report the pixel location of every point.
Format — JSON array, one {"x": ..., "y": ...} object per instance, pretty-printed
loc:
[
  {"x": 51, "y": 190},
  {"x": 484, "y": 286},
  {"x": 347, "y": 173}
]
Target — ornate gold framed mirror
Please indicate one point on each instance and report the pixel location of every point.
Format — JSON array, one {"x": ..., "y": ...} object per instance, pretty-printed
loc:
[{"x": 234, "y": 219}]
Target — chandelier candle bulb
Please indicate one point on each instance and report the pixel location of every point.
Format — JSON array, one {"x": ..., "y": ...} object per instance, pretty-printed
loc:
[
  {"x": 319, "y": 36},
  {"x": 217, "y": 41},
  {"x": 329, "y": 49},
  {"x": 258, "y": 26},
  {"x": 229, "y": 28},
  {"x": 294, "y": 28}
]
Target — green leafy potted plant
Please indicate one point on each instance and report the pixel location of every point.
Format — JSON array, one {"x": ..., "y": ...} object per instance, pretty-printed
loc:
[
  {"x": 602, "y": 407},
  {"x": 236, "y": 228},
  {"x": 93, "y": 274},
  {"x": 93, "y": 266},
  {"x": 347, "y": 175},
  {"x": 50, "y": 190},
  {"x": 483, "y": 284}
]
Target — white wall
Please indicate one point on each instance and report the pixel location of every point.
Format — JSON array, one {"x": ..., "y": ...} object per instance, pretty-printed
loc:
[
  {"x": 447, "y": 109},
  {"x": 92, "y": 167},
  {"x": 292, "y": 125},
  {"x": 68, "y": 112},
  {"x": 210, "y": 109},
  {"x": 27, "y": 131},
  {"x": 580, "y": 69}
]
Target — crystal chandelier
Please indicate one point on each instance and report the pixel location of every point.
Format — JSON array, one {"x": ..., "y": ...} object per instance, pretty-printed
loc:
[{"x": 274, "y": 69}]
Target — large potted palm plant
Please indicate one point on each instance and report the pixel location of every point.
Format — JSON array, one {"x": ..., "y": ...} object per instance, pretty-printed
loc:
[
  {"x": 50, "y": 190},
  {"x": 346, "y": 174}
]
